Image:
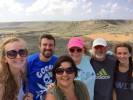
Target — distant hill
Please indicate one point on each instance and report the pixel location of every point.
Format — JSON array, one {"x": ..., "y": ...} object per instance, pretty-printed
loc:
[
  {"x": 111, "y": 30},
  {"x": 77, "y": 27}
]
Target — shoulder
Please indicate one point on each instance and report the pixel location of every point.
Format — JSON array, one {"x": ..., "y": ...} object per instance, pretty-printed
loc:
[
  {"x": 54, "y": 57},
  {"x": 79, "y": 83},
  {"x": 33, "y": 55},
  {"x": 54, "y": 92},
  {"x": 82, "y": 90},
  {"x": 111, "y": 58},
  {"x": 50, "y": 96},
  {"x": 86, "y": 57}
]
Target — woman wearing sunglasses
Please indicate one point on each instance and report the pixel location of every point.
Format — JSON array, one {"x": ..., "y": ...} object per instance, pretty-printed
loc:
[
  {"x": 76, "y": 49},
  {"x": 123, "y": 78},
  {"x": 12, "y": 69},
  {"x": 66, "y": 88}
]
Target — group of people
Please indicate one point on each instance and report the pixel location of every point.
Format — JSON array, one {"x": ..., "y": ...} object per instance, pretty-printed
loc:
[{"x": 72, "y": 76}]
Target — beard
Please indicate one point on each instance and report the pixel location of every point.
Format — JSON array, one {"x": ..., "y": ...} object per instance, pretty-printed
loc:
[
  {"x": 100, "y": 56},
  {"x": 47, "y": 53}
]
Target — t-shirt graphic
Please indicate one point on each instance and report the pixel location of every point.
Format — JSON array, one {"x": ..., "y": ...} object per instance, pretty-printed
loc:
[
  {"x": 102, "y": 74},
  {"x": 39, "y": 75},
  {"x": 104, "y": 78}
]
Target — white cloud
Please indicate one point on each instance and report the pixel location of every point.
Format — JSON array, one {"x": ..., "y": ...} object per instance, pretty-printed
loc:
[
  {"x": 37, "y": 6},
  {"x": 111, "y": 9},
  {"x": 42, "y": 9},
  {"x": 47, "y": 7},
  {"x": 59, "y": 7},
  {"x": 62, "y": 9},
  {"x": 11, "y": 6},
  {"x": 115, "y": 8},
  {"x": 130, "y": 1},
  {"x": 87, "y": 7}
]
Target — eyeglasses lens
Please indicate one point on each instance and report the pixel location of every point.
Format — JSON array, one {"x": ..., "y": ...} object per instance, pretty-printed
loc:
[
  {"x": 72, "y": 50},
  {"x": 60, "y": 71},
  {"x": 12, "y": 54}
]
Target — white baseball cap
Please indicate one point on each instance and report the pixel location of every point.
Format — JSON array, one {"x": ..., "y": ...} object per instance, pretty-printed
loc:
[{"x": 99, "y": 41}]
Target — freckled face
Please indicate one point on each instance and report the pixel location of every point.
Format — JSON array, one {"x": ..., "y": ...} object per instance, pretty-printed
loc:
[{"x": 18, "y": 63}]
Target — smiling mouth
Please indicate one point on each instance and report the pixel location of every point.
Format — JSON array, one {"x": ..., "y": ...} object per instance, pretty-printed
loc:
[{"x": 65, "y": 78}]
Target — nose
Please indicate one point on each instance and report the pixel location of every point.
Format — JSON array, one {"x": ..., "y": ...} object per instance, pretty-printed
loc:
[
  {"x": 18, "y": 56},
  {"x": 64, "y": 73},
  {"x": 48, "y": 47},
  {"x": 121, "y": 55}
]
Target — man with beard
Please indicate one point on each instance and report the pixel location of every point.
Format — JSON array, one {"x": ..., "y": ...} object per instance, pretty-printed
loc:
[
  {"x": 40, "y": 65},
  {"x": 103, "y": 65}
]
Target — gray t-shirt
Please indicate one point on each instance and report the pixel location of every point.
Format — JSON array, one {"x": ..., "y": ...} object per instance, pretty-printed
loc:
[
  {"x": 104, "y": 78},
  {"x": 121, "y": 86}
]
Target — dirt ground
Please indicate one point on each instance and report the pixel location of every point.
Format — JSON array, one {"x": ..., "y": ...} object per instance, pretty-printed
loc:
[{"x": 112, "y": 37}]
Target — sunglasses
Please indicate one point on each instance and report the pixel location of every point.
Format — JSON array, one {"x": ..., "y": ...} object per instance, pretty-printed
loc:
[
  {"x": 99, "y": 47},
  {"x": 12, "y": 54},
  {"x": 72, "y": 50},
  {"x": 69, "y": 70}
]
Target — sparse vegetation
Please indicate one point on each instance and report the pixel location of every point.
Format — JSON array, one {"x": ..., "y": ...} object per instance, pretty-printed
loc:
[{"x": 112, "y": 30}]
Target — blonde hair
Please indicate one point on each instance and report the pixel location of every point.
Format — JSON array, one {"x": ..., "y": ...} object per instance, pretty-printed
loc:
[{"x": 6, "y": 78}]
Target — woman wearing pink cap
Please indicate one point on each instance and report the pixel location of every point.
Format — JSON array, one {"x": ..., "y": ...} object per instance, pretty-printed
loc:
[{"x": 76, "y": 49}]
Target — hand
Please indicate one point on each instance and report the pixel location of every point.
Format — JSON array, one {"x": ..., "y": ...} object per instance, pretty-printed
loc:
[
  {"x": 51, "y": 85},
  {"x": 28, "y": 96}
]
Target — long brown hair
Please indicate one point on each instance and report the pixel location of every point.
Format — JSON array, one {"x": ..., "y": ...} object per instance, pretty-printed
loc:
[
  {"x": 11, "y": 87},
  {"x": 130, "y": 61}
]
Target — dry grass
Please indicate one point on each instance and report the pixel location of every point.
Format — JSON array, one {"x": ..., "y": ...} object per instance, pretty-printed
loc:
[{"x": 112, "y": 37}]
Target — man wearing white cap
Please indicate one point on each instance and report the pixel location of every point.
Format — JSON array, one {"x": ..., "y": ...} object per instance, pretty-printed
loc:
[{"x": 103, "y": 66}]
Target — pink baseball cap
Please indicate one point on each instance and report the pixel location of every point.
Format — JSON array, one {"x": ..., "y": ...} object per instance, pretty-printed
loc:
[{"x": 75, "y": 42}]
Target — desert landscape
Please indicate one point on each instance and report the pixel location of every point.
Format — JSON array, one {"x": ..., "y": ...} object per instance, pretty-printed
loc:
[{"x": 113, "y": 31}]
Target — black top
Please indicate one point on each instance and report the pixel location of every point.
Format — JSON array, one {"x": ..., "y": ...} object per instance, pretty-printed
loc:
[
  {"x": 123, "y": 91},
  {"x": 104, "y": 78}
]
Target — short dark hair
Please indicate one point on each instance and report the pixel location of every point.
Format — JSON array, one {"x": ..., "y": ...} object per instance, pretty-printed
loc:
[
  {"x": 64, "y": 58},
  {"x": 48, "y": 36}
]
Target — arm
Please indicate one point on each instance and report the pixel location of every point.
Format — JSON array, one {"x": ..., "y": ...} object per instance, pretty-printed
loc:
[
  {"x": 50, "y": 96},
  {"x": 114, "y": 95}
]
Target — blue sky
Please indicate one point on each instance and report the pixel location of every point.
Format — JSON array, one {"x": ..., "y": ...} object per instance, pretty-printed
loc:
[{"x": 68, "y": 10}]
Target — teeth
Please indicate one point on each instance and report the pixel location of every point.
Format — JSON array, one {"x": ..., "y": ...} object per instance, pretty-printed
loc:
[{"x": 65, "y": 78}]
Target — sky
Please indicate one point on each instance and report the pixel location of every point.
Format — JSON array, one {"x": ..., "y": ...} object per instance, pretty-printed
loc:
[{"x": 64, "y": 10}]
